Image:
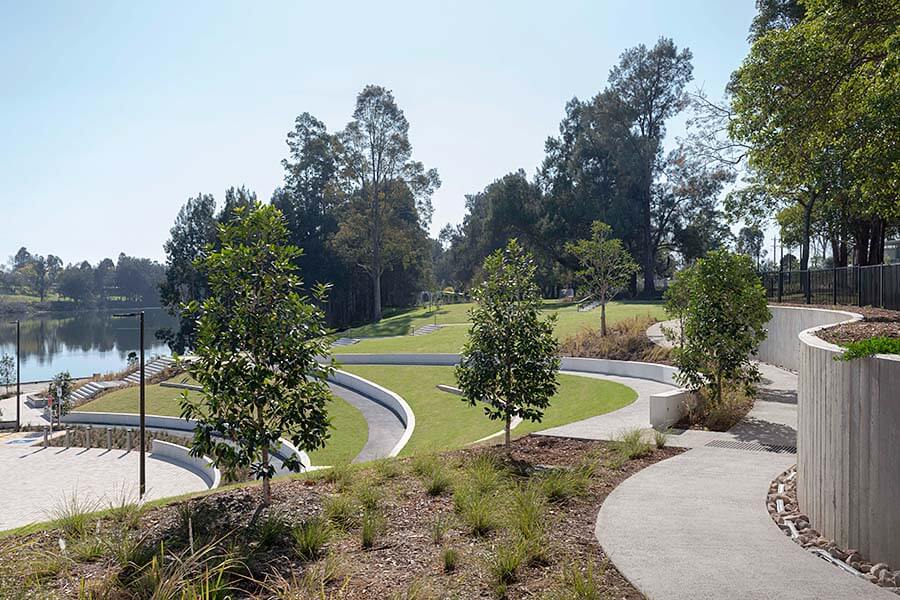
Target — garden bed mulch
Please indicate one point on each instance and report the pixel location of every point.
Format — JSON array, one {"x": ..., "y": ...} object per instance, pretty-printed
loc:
[
  {"x": 405, "y": 561},
  {"x": 877, "y": 322}
]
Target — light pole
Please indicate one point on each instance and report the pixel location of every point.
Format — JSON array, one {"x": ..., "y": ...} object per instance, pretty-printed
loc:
[
  {"x": 143, "y": 473},
  {"x": 18, "y": 377}
]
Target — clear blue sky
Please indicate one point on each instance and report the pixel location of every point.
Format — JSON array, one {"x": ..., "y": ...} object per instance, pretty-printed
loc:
[{"x": 113, "y": 114}]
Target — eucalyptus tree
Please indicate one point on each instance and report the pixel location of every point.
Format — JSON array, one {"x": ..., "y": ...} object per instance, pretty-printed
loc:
[
  {"x": 377, "y": 164},
  {"x": 510, "y": 359},
  {"x": 650, "y": 85},
  {"x": 258, "y": 349}
]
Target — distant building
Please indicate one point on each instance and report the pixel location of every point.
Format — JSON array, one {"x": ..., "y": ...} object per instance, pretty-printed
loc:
[{"x": 892, "y": 251}]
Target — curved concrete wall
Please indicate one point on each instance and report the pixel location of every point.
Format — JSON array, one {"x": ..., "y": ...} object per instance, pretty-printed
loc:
[
  {"x": 182, "y": 457},
  {"x": 665, "y": 408},
  {"x": 782, "y": 344},
  {"x": 383, "y": 396},
  {"x": 160, "y": 422},
  {"x": 848, "y": 447}
]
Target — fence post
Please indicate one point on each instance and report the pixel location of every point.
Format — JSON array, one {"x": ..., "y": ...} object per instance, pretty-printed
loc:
[
  {"x": 808, "y": 286},
  {"x": 859, "y": 285},
  {"x": 881, "y": 285},
  {"x": 834, "y": 286},
  {"x": 780, "y": 282}
]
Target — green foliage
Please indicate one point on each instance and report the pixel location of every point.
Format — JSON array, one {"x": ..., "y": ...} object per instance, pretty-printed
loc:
[
  {"x": 509, "y": 362},
  {"x": 7, "y": 371},
  {"x": 723, "y": 323},
  {"x": 607, "y": 266},
  {"x": 870, "y": 347},
  {"x": 341, "y": 511},
  {"x": 60, "y": 394},
  {"x": 449, "y": 558},
  {"x": 257, "y": 347},
  {"x": 310, "y": 538},
  {"x": 371, "y": 527},
  {"x": 631, "y": 444},
  {"x": 504, "y": 562},
  {"x": 559, "y": 485},
  {"x": 439, "y": 528}
]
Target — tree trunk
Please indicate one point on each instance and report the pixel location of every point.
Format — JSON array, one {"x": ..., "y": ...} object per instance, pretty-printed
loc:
[
  {"x": 603, "y": 319},
  {"x": 267, "y": 492},
  {"x": 507, "y": 429},
  {"x": 376, "y": 298},
  {"x": 807, "y": 218},
  {"x": 649, "y": 260}
]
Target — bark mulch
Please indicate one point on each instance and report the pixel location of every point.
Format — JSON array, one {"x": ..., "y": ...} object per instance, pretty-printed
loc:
[
  {"x": 877, "y": 322},
  {"x": 405, "y": 561}
]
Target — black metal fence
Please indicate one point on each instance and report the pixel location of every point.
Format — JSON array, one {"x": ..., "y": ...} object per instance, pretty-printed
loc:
[{"x": 874, "y": 285}]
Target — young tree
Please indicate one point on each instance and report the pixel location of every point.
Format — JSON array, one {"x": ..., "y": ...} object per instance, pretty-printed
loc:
[
  {"x": 724, "y": 313},
  {"x": 60, "y": 392},
  {"x": 607, "y": 266},
  {"x": 257, "y": 346},
  {"x": 7, "y": 371},
  {"x": 510, "y": 359}
]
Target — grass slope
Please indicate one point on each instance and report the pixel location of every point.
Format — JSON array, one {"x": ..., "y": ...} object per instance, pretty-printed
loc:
[
  {"x": 348, "y": 436},
  {"x": 443, "y": 421},
  {"x": 455, "y": 318}
]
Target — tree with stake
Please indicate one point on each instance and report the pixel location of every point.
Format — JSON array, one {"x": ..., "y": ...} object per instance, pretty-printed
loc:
[
  {"x": 258, "y": 339},
  {"x": 607, "y": 266},
  {"x": 510, "y": 359},
  {"x": 7, "y": 371},
  {"x": 60, "y": 392}
]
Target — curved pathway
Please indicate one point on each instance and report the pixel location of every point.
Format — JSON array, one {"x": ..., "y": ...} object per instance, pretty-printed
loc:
[
  {"x": 608, "y": 426},
  {"x": 696, "y": 526},
  {"x": 385, "y": 428}
]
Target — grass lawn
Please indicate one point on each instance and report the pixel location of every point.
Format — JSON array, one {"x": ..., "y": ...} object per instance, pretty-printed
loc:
[
  {"x": 443, "y": 421},
  {"x": 348, "y": 436},
  {"x": 455, "y": 318}
]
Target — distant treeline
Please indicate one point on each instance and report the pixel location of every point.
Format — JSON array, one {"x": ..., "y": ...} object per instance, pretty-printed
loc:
[{"x": 128, "y": 281}]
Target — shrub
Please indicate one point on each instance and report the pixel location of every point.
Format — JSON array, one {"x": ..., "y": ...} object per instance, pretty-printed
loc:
[
  {"x": 504, "y": 563},
  {"x": 271, "y": 530},
  {"x": 310, "y": 538},
  {"x": 659, "y": 439},
  {"x": 438, "y": 482},
  {"x": 870, "y": 347},
  {"x": 626, "y": 340},
  {"x": 449, "y": 557},
  {"x": 736, "y": 402},
  {"x": 722, "y": 305}
]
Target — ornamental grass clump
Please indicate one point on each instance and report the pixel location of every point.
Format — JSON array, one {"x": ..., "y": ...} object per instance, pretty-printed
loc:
[{"x": 310, "y": 538}]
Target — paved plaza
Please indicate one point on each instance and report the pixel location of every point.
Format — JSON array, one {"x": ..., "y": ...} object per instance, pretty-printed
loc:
[{"x": 36, "y": 480}]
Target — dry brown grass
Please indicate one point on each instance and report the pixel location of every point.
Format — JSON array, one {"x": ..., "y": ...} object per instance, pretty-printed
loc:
[
  {"x": 626, "y": 340},
  {"x": 735, "y": 404}
]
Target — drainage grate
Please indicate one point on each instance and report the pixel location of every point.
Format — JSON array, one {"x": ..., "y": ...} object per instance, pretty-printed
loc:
[{"x": 752, "y": 446}]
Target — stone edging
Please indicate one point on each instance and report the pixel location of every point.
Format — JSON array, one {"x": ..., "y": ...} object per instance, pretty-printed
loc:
[{"x": 781, "y": 503}]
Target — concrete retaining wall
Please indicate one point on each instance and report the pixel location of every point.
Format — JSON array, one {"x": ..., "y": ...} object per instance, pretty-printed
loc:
[
  {"x": 782, "y": 345},
  {"x": 182, "y": 457},
  {"x": 383, "y": 396},
  {"x": 848, "y": 447},
  {"x": 168, "y": 424}
]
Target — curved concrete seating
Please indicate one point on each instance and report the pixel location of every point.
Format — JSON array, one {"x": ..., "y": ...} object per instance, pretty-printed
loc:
[{"x": 182, "y": 456}]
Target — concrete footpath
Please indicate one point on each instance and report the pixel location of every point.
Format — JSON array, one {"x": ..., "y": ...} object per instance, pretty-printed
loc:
[
  {"x": 696, "y": 527},
  {"x": 385, "y": 428}
]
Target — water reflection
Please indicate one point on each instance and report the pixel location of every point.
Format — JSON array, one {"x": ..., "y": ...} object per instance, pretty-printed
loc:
[{"x": 81, "y": 342}]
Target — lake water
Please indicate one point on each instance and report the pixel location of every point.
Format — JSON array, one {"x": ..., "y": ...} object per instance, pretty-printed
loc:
[{"x": 82, "y": 343}]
